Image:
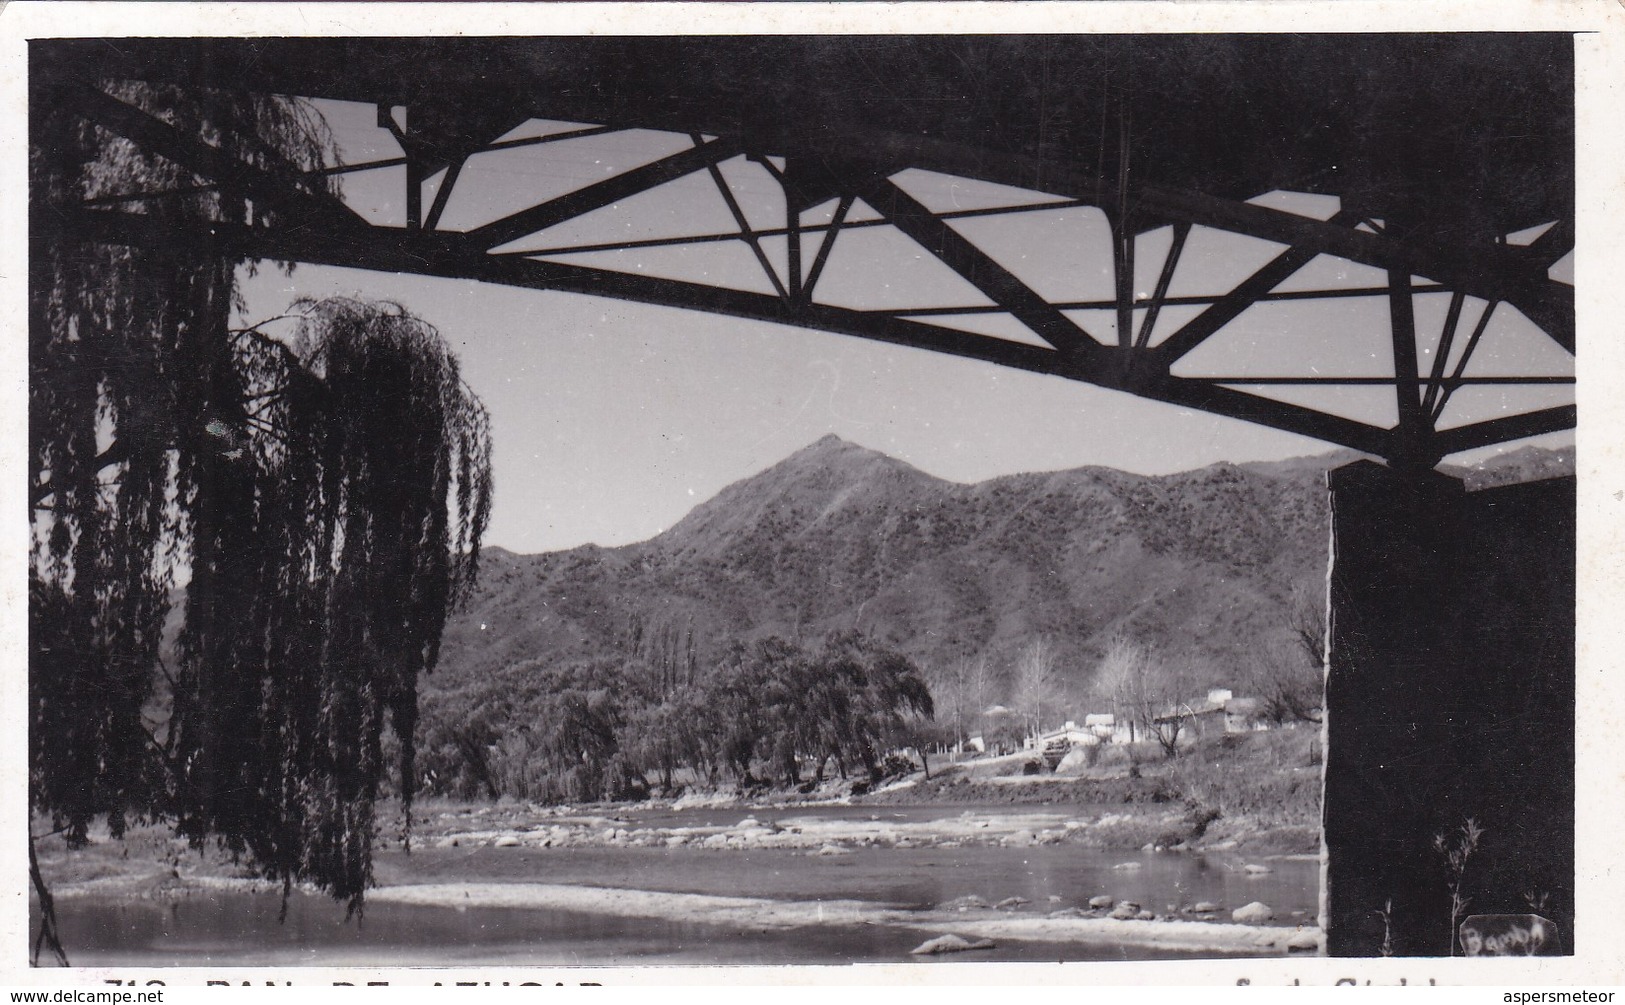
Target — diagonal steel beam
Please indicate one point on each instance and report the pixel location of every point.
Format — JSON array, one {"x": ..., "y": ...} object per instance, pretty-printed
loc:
[
  {"x": 1450, "y": 385},
  {"x": 825, "y": 246},
  {"x": 979, "y": 269},
  {"x": 745, "y": 233},
  {"x": 454, "y": 256},
  {"x": 1546, "y": 302},
  {"x": 1505, "y": 429},
  {"x": 1160, "y": 295},
  {"x": 1441, "y": 353},
  {"x": 1228, "y": 401},
  {"x": 1485, "y": 271},
  {"x": 280, "y": 186},
  {"x": 1552, "y": 245},
  {"x": 442, "y": 195},
  {"x": 603, "y": 193},
  {"x": 1489, "y": 272},
  {"x": 1227, "y": 308}
]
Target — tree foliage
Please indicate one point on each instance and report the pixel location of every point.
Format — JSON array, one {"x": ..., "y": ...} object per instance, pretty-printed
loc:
[
  {"x": 597, "y": 730},
  {"x": 321, "y": 499}
]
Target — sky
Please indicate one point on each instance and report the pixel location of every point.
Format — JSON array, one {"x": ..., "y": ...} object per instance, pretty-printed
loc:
[{"x": 612, "y": 419}]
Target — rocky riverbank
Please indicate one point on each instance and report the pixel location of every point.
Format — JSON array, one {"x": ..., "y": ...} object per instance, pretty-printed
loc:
[
  {"x": 828, "y": 866},
  {"x": 798, "y": 827},
  {"x": 1243, "y": 810}
]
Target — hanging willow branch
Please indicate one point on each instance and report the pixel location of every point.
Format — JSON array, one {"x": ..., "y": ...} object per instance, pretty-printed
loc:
[
  {"x": 326, "y": 498},
  {"x": 325, "y": 557}
]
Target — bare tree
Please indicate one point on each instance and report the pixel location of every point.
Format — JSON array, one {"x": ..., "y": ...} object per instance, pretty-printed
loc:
[
  {"x": 1120, "y": 681},
  {"x": 1146, "y": 690},
  {"x": 1289, "y": 675},
  {"x": 1036, "y": 684},
  {"x": 969, "y": 691}
]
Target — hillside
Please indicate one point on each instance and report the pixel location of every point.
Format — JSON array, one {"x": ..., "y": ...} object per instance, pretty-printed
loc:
[{"x": 1200, "y": 565}]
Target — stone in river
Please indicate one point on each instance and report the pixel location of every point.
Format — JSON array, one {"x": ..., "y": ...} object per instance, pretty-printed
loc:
[
  {"x": 949, "y": 944},
  {"x": 968, "y": 902},
  {"x": 1304, "y": 938},
  {"x": 1011, "y": 903},
  {"x": 1145, "y": 916},
  {"x": 1254, "y": 869},
  {"x": 1069, "y": 912},
  {"x": 1125, "y": 911},
  {"x": 1253, "y": 913},
  {"x": 1205, "y": 907},
  {"x": 1128, "y": 866},
  {"x": 833, "y": 849},
  {"x": 1101, "y": 902},
  {"x": 506, "y": 841},
  {"x": 1075, "y": 761},
  {"x": 676, "y": 841}
]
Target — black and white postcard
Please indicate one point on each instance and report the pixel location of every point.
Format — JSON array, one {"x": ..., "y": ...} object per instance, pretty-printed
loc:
[{"x": 537, "y": 492}]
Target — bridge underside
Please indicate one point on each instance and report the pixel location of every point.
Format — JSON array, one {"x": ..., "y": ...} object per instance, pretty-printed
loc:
[
  {"x": 1159, "y": 216},
  {"x": 1417, "y": 187}
]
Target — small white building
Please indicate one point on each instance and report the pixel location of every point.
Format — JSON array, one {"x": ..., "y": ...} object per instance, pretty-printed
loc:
[
  {"x": 1106, "y": 728},
  {"x": 1070, "y": 733},
  {"x": 1221, "y": 713}
]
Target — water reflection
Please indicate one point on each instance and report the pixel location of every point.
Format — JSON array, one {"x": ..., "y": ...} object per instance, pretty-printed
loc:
[
  {"x": 214, "y": 928},
  {"x": 235, "y": 929}
]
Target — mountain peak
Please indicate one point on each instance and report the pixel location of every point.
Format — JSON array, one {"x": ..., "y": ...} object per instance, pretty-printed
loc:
[
  {"x": 829, "y": 443},
  {"x": 830, "y": 450}
]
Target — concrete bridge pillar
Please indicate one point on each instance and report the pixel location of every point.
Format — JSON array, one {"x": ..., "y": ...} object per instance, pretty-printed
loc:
[{"x": 1449, "y": 697}]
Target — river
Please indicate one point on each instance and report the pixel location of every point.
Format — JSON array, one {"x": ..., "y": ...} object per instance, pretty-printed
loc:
[{"x": 210, "y": 927}]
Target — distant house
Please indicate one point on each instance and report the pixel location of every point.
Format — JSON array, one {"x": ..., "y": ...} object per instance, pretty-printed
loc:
[
  {"x": 1245, "y": 715},
  {"x": 1220, "y": 713},
  {"x": 1071, "y": 734},
  {"x": 1194, "y": 722},
  {"x": 1111, "y": 729},
  {"x": 1096, "y": 728},
  {"x": 1103, "y": 726}
]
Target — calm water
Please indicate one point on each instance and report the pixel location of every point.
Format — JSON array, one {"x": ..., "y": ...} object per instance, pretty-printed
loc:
[
  {"x": 242, "y": 930},
  {"x": 237, "y": 928}
]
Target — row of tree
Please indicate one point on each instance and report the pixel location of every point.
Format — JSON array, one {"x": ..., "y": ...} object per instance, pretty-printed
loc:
[{"x": 767, "y": 710}]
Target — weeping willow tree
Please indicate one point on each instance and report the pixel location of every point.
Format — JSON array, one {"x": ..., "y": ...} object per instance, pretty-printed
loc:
[{"x": 320, "y": 498}]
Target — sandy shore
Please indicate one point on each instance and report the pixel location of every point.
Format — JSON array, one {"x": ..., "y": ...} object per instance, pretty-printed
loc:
[
  {"x": 749, "y": 912},
  {"x": 782, "y": 828},
  {"x": 801, "y": 827}
]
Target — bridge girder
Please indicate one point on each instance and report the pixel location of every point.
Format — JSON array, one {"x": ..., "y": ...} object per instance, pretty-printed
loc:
[{"x": 862, "y": 163}]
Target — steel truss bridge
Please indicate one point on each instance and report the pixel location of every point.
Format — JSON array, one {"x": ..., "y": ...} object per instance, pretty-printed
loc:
[{"x": 1437, "y": 159}]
